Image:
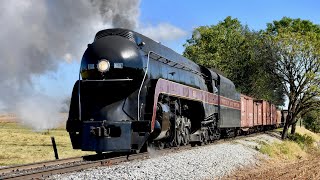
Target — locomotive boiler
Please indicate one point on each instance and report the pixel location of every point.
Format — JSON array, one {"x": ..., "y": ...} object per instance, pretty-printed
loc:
[{"x": 133, "y": 91}]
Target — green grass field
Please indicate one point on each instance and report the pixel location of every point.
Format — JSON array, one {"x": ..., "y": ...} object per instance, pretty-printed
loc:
[{"x": 20, "y": 145}]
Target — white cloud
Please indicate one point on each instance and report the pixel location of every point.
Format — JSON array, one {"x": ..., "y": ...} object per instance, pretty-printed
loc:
[{"x": 162, "y": 32}]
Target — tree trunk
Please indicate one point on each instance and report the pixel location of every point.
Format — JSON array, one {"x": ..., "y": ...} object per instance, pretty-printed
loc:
[
  {"x": 285, "y": 131},
  {"x": 286, "y": 126},
  {"x": 293, "y": 128}
]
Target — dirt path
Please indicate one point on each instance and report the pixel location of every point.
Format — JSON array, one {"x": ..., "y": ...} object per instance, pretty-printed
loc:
[{"x": 302, "y": 169}]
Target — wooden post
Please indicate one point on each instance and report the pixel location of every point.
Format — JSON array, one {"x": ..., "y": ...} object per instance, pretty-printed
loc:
[{"x": 54, "y": 147}]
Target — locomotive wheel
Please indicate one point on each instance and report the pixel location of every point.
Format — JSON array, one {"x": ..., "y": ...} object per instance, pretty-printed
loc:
[
  {"x": 159, "y": 145},
  {"x": 179, "y": 138},
  {"x": 211, "y": 138},
  {"x": 180, "y": 134},
  {"x": 186, "y": 138},
  {"x": 205, "y": 141},
  {"x": 182, "y": 131}
]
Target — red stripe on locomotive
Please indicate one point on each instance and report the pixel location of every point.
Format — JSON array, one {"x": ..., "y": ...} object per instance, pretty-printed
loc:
[{"x": 178, "y": 90}]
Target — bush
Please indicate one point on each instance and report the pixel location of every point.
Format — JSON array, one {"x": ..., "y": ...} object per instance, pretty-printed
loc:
[
  {"x": 304, "y": 141},
  {"x": 311, "y": 121}
]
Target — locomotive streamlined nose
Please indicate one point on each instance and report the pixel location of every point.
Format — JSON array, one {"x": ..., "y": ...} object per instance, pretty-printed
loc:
[{"x": 112, "y": 57}]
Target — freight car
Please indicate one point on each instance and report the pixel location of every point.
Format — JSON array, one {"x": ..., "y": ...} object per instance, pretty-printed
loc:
[
  {"x": 258, "y": 115},
  {"x": 133, "y": 91}
]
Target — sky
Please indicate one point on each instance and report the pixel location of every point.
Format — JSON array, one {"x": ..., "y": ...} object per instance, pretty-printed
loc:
[
  {"x": 172, "y": 22},
  {"x": 187, "y": 15}
]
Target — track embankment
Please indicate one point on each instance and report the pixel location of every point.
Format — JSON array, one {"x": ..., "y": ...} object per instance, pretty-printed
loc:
[
  {"x": 212, "y": 161},
  {"x": 203, "y": 162},
  {"x": 302, "y": 169}
]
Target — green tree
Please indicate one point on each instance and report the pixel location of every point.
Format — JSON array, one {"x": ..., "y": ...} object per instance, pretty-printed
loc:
[
  {"x": 240, "y": 54},
  {"x": 296, "y": 58},
  {"x": 311, "y": 120}
]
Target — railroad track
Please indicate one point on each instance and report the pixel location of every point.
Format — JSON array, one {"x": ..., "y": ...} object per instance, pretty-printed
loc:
[
  {"x": 48, "y": 168},
  {"x": 13, "y": 171}
]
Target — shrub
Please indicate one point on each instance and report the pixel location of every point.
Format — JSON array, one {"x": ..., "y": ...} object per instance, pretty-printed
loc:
[{"x": 304, "y": 141}]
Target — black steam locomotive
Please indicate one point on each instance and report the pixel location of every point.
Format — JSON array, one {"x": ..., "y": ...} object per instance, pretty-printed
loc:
[{"x": 133, "y": 91}]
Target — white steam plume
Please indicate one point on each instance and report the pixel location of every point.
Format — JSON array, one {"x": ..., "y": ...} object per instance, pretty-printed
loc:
[
  {"x": 37, "y": 35},
  {"x": 39, "y": 112}
]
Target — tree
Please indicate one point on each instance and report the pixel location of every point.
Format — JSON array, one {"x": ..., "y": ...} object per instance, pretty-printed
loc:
[
  {"x": 240, "y": 54},
  {"x": 296, "y": 58},
  {"x": 311, "y": 120}
]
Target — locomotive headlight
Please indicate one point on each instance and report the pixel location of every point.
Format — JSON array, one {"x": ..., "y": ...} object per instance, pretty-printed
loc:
[{"x": 103, "y": 65}]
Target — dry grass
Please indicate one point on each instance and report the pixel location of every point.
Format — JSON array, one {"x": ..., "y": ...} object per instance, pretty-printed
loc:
[
  {"x": 303, "y": 131},
  {"x": 289, "y": 160},
  {"x": 292, "y": 150},
  {"x": 20, "y": 145},
  {"x": 286, "y": 150}
]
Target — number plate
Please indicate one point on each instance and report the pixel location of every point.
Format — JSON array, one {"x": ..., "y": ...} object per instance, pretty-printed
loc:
[{"x": 118, "y": 65}]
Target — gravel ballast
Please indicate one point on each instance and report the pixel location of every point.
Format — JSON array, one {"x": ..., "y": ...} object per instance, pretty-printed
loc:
[{"x": 208, "y": 162}]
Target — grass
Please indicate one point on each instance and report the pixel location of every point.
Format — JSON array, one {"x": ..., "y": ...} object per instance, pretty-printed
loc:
[
  {"x": 297, "y": 146},
  {"x": 20, "y": 145},
  {"x": 278, "y": 130},
  {"x": 287, "y": 150},
  {"x": 304, "y": 131}
]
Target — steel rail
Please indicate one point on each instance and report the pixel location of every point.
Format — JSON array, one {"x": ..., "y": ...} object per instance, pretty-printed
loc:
[
  {"x": 23, "y": 167},
  {"x": 43, "y": 173}
]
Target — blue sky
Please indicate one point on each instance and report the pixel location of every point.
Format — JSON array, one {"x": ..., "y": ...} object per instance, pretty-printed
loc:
[
  {"x": 188, "y": 15},
  {"x": 254, "y": 13}
]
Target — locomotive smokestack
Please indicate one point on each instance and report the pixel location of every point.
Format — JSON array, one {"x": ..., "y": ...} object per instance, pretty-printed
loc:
[{"x": 39, "y": 36}]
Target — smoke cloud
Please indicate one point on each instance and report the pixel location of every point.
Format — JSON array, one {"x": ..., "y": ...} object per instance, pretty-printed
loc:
[
  {"x": 163, "y": 32},
  {"x": 122, "y": 13},
  {"x": 39, "y": 112},
  {"x": 37, "y": 35}
]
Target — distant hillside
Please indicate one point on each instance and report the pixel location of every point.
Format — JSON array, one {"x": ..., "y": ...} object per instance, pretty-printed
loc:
[{"x": 11, "y": 117}]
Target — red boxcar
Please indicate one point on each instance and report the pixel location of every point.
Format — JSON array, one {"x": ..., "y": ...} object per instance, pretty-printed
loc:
[
  {"x": 264, "y": 112},
  {"x": 257, "y": 112},
  {"x": 269, "y": 120},
  {"x": 278, "y": 118},
  {"x": 273, "y": 115},
  {"x": 284, "y": 114},
  {"x": 246, "y": 111}
]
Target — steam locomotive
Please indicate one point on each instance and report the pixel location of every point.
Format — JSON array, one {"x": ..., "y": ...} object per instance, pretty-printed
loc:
[{"x": 133, "y": 91}]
